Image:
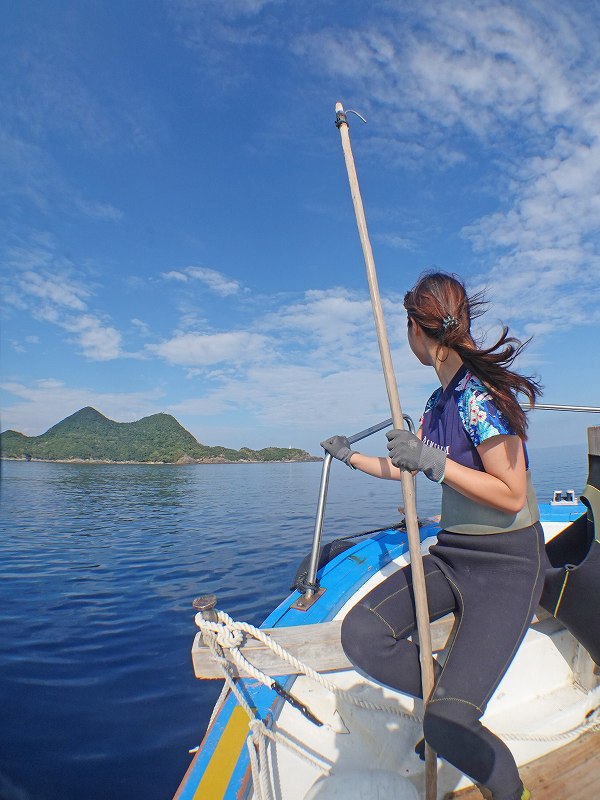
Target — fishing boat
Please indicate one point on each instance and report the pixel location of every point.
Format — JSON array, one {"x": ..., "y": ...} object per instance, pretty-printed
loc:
[{"x": 297, "y": 721}]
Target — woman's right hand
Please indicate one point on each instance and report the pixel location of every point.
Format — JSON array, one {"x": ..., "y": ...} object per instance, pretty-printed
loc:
[{"x": 339, "y": 447}]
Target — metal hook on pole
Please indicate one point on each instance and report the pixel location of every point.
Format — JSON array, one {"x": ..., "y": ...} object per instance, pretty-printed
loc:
[{"x": 341, "y": 117}]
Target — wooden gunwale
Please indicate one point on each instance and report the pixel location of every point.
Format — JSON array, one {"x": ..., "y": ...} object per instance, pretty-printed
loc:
[{"x": 318, "y": 645}]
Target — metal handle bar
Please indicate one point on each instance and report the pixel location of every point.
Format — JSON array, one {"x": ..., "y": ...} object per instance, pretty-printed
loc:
[
  {"x": 316, "y": 546},
  {"x": 549, "y": 407},
  {"x": 356, "y": 437}
]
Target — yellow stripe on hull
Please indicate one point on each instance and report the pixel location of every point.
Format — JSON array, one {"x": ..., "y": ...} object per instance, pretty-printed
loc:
[{"x": 220, "y": 768}]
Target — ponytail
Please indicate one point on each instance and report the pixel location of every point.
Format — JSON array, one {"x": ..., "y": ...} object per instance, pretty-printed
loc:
[{"x": 440, "y": 305}]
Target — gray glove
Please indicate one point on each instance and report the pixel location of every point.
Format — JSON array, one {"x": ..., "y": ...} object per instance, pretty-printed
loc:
[
  {"x": 407, "y": 451},
  {"x": 339, "y": 447}
]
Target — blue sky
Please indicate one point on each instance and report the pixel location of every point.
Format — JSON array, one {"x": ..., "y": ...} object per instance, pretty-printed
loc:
[{"x": 177, "y": 230}]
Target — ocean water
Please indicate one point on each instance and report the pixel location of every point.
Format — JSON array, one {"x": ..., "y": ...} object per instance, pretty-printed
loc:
[{"x": 98, "y": 568}]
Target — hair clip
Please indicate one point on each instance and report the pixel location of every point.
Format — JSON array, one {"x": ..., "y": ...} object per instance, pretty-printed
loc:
[{"x": 449, "y": 322}]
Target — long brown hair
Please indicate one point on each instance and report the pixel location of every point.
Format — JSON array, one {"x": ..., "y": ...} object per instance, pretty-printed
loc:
[{"x": 439, "y": 304}]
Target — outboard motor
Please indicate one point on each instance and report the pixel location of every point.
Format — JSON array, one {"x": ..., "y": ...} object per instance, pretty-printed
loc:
[{"x": 572, "y": 585}]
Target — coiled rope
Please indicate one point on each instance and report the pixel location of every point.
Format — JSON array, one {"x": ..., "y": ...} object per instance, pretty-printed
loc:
[{"x": 229, "y": 635}]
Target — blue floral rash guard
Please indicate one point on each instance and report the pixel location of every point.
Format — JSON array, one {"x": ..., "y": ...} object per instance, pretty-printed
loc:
[{"x": 460, "y": 417}]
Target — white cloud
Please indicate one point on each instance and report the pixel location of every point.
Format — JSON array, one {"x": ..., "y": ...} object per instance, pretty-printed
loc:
[
  {"x": 53, "y": 290},
  {"x": 24, "y": 170},
  {"x": 97, "y": 341},
  {"x": 175, "y": 275},
  {"x": 332, "y": 330},
  {"x": 99, "y": 211},
  {"x": 141, "y": 327},
  {"x": 322, "y": 314},
  {"x": 216, "y": 281},
  {"x": 394, "y": 241},
  {"x": 205, "y": 349},
  {"x": 19, "y": 347},
  {"x": 49, "y": 288},
  {"x": 247, "y": 8},
  {"x": 472, "y": 67}
]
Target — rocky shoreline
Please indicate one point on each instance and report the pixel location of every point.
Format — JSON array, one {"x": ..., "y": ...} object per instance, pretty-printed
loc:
[{"x": 182, "y": 462}]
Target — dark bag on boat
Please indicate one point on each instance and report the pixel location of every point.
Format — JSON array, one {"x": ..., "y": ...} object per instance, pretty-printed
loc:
[{"x": 572, "y": 585}]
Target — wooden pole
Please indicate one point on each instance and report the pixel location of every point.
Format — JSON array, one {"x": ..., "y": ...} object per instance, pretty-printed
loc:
[{"x": 408, "y": 485}]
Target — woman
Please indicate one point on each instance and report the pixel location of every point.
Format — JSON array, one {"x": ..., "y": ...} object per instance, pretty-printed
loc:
[{"x": 489, "y": 560}]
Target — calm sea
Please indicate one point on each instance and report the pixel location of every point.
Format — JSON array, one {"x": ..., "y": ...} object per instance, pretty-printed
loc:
[{"x": 98, "y": 568}]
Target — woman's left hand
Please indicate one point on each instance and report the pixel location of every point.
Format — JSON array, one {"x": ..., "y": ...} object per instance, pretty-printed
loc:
[{"x": 407, "y": 451}]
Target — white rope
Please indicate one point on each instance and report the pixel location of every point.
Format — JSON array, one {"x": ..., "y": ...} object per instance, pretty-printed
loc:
[
  {"x": 256, "y": 784},
  {"x": 220, "y": 702},
  {"x": 300, "y": 749},
  {"x": 257, "y": 747},
  {"x": 556, "y": 737},
  {"x": 257, "y": 743},
  {"x": 259, "y": 732},
  {"x": 592, "y": 723},
  {"x": 226, "y": 629}
]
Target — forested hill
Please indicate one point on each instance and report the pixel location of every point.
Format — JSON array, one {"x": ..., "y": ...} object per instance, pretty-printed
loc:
[{"x": 90, "y": 436}]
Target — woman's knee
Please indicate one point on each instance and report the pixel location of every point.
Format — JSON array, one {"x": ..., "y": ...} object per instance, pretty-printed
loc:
[{"x": 364, "y": 635}]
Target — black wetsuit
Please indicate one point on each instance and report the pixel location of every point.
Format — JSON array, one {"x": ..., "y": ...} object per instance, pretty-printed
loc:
[{"x": 491, "y": 581}]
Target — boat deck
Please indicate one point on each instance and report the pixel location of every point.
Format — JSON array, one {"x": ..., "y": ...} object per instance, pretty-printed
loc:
[{"x": 572, "y": 772}]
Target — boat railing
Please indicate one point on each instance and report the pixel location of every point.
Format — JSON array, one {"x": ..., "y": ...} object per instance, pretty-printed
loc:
[{"x": 312, "y": 590}]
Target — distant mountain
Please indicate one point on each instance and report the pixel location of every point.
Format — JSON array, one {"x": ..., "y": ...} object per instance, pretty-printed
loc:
[{"x": 90, "y": 436}]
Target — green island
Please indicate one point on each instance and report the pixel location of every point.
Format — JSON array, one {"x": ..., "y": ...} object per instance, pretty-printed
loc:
[{"x": 89, "y": 436}]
